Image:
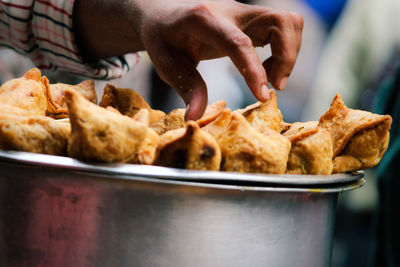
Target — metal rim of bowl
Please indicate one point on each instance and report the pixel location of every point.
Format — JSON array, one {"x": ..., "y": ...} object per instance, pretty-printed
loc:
[{"x": 241, "y": 181}]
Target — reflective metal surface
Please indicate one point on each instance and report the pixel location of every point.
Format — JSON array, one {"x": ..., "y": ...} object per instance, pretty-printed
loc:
[
  {"x": 56, "y": 216},
  {"x": 175, "y": 174}
]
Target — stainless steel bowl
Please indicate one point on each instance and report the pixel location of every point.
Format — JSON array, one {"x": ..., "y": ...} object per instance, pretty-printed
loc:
[{"x": 56, "y": 211}]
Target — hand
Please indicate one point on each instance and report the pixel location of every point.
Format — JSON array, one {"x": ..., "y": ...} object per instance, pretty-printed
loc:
[{"x": 178, "y": 34}]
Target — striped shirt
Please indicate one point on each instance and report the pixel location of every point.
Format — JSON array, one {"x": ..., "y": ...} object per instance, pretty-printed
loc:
[{"x": 42, "y": 30}]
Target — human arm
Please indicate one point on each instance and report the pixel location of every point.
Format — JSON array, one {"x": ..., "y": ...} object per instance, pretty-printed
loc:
[
  {"x": 178, "y": 34},
  {"x": 43, "y": 31}
]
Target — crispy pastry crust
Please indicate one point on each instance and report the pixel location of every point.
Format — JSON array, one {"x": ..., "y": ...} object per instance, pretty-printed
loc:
[
  {"x": 128, "y": 102},
  {"x": 189, "y": 148},
  {"x": 176, "y": 118},
  {"x": 37, "y": 134},
  {"x": 29, "y": 93},
  {"x": 218, "y": 126},
  {"x": 212, "y": 111},
  {"x": 300, "y": 130},
  {"x": 364, "y": 150},
  {"x": 142, "y": 116},
  {"x": 58, "y": 108},
  {"x": 264, "y": 115},
  {"x": 102, "y": 135},
  {"x": 12, "y": 110},
  {"x": 172, "y": 121},
  {"x": 244, "y": 149},
  {"x": 362, "y": 135},
  {"x": 311, "y": 151}
]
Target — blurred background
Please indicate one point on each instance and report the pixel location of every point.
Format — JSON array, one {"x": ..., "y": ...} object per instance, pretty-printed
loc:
[{"x": 350, "y": 47}]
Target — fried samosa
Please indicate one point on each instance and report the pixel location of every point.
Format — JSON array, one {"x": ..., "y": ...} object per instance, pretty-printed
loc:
[
  {"x": 128, "y": 102},
  {"x": 311, "y": 151},
  {"x": 172, "y": 121},
  {"x": 176, "y": 118},
  {"x": 29, "y": 93},
  {"x": 218, "y": 126},
  {"x": 244, "y": 149},
  {"x": 13, "y": 110},
  {"x": 58, "y": 108},
  {"x": 37, "y": 134},
  {"x": 188, "y": 148},
  {"x": 264, "y": 115},
  {"x": 142, "y": 116},
  {"x": 102, "y": 135},
  {"x": 359, "y": 138}
]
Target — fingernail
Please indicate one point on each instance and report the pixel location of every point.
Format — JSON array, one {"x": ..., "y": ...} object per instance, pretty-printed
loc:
[
  {"x": 265, "y": 92},
  {"x": 282, "y": 85},
  {"x": 187, "y": 111}
]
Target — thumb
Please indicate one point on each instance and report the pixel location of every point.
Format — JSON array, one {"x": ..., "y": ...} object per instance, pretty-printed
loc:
[{"x": 181, "y": 74}]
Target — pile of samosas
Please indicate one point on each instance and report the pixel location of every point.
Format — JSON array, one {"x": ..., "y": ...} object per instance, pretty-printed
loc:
[{"x": 62, "y": 119}]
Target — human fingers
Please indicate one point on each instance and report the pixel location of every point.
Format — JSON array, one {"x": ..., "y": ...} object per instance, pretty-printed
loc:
[
  {"x": 298, "y": 23},
  {"x": 246, "y": 60},
  {"x": 231, "y": 41},
  {"x": 216, "y": 35},
  {"x": 181, "y": 74},
  {"x": 285, "y": 42},
  {"x": 281, "y": 29},
  {"x": 285, "y": 48}
]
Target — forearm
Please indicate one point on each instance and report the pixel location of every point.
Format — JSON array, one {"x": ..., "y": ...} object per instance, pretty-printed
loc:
[{"x": 106, "y": 28}]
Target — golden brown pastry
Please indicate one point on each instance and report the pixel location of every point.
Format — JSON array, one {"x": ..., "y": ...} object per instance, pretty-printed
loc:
[
  {"x": 27, "y": 93},
  {"x": 128, "y": 102},
  {"x": 113, "y": 110},
  {"x": 264, "y": 115},
  {"x": 37, "y": 134},
  {"x": 143, "y": 116},
  {"x": 173, "y": 120},
  {"x": 13, "y": 110},
  {"x": 285, "y": 126},
  {"x": 212, "y": 111},
  {"x": 176, "y": 118},
  {"x": 244, "y": 149},
  {"x": 102, "y": 135},
  {"x": 311, "y": 151},
  {"x": 359, "y": 138},
  {"x": 218, "y": 126},
  {"x": 58, "y": 108},
  {"x": 188, "y": 148}
]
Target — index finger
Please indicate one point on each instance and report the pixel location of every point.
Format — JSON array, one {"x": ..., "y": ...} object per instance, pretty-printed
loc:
[
  {"x": 243, "y": 55},
  {"x": 231, "y": 41}
]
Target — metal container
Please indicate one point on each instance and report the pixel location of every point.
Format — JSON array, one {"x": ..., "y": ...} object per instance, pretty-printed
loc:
[{"x": 56, "y": 212}]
